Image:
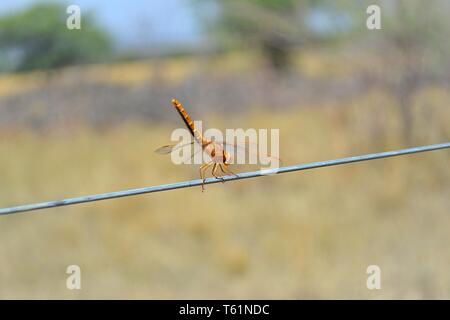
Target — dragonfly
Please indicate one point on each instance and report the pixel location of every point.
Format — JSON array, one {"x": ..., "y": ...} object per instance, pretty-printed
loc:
[{"x": 220, "y": 158}]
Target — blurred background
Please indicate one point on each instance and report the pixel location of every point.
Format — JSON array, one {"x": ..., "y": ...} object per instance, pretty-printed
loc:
[{"x": 81, "y": 112}]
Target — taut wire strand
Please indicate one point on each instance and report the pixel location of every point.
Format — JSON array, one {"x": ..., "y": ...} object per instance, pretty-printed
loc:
[{"x": 245, "y": 175}]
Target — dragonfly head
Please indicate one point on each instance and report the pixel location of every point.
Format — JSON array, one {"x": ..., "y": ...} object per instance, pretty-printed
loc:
[{"x": 227, "y": 158}]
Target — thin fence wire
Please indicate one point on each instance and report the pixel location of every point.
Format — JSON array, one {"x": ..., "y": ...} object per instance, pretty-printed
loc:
[{"x": 245, "y": 175}]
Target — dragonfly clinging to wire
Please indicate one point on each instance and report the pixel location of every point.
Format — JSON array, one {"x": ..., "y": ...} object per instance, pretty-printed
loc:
[{"x": 219, "y": 157}]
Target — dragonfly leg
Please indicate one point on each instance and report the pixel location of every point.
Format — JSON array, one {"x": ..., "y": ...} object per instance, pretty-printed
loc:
[
  {"x": 225, "y": 170},
  {"x": 214, "y": 171},
  {"x": 202, "y": 170}
]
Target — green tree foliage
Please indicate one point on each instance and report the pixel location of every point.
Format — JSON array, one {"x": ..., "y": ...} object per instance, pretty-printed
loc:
[
  {"x": 37, "y": 38},
  {"x": 272, "y": 26}
]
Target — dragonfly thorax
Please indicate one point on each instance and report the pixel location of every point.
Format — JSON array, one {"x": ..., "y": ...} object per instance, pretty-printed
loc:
[{"x": 217, "y": 153}]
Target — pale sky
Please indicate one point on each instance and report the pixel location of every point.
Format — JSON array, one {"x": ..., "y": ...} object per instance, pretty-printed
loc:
[{"x": 136, "y": 23}]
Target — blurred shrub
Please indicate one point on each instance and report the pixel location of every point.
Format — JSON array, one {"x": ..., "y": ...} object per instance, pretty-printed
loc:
[
  {"x": 411, "y": 49},
  {"x": 37, "y": 38},
  {"x": 274, "y": 27}
]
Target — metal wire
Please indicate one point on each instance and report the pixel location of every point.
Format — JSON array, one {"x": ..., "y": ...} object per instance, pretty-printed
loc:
[{"x": 245, "y": 175}]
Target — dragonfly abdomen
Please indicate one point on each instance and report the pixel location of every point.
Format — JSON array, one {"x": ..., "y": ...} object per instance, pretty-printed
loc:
[{"x": 187, "y": 120}]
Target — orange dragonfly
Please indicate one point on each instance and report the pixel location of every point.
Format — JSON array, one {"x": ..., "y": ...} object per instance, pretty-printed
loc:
[{"x": 216, "y": 150}]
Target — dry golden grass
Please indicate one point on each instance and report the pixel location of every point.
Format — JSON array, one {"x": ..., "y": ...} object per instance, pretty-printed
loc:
[{"x": 299, "y": 235}]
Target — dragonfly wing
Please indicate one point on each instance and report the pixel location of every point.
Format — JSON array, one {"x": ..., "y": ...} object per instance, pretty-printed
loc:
[
  {"x": 172, "y": 147},
  {"x": 243, "y": 146},
  {"x": 165, "y": 149},
  {"x": 249, "y": 147},
  {"x": 192, "y": 155},
  {"x": 239, "y": 147}
]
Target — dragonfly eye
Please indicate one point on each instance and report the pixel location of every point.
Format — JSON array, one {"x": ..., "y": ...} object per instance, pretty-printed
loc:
[{"x": 227, "y": 158}]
